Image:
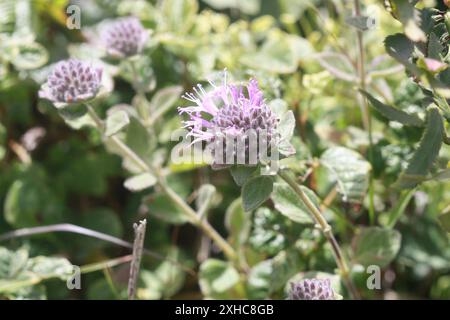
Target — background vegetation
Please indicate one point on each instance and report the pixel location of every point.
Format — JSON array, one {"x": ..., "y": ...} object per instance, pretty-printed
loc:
[{"x": 375, "y": 158}]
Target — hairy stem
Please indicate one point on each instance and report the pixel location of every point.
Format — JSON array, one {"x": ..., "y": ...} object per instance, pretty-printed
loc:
[
  {"x": 193, "y": 217},
  {"x": 139, "y": 231},
  {"x": 326, "y": 230},
  {"x": 367, "y": 118}
]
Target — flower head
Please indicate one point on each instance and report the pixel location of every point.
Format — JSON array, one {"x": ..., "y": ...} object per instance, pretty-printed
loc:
[
  {"x": 312, "y": 289},
  {"x": 125, "y": 37},
  {"x": 72, "y": 81},
  {"x": 228, "y": 112}
]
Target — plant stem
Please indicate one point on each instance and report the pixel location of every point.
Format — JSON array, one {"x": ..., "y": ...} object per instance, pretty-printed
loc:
[
  {"x": 367, "y": 117},
  {"x": 93, "y": 267},
  {"x": 187, "y": 210},
  {"x": 326, "y": 230},
  {"x": 139, "y": 231},
  {"x": 71, "y": 228}
]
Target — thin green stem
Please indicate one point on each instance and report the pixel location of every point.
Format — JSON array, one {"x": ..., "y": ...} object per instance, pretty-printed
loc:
[
  {"x": 326, "y": 230},
  {"x": 88, "y": 268},
  {"x": 193, "y": 217},
  {"x": 367, "y": 117}
]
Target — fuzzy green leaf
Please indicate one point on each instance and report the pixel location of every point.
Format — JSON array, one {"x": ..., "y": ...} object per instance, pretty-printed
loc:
[
  {"x": 427, "y": 152},
  {"x": 216, "y": 277},
  {"x": 256, "y": 191},
  {"x": 350, "y": 170},
  {"x": 288, "y": 203},
  {"x": 376, "y": 246},
  {"x": 241, "y": 174},
  {"x": 392, "y": 113},
  {"x": 140, "y": 182},
  {"x": 116, "y": 122}
]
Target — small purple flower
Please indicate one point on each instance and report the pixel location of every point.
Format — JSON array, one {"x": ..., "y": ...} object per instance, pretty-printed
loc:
[
  {"x": 226, "y": 111},
  {"x": 72, "y": 81},
  {"x": 312, "y": 289},
  {"x": 125, "y": 37}
]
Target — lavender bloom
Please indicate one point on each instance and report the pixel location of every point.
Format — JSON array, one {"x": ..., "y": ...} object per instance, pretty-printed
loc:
[
  {"x": 125, "y": 37},
  {"x": 312, "y": 289},
  {"x": 72, "y": 81},
  {"x": 226, "y": 112}
]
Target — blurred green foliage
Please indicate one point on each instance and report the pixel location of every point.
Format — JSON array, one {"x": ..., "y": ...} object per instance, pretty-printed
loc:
[{"x": 304, "y": 55}]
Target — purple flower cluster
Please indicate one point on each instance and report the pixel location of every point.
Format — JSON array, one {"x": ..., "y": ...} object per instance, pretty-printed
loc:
[
  {"x": 312, "y": 289},
  {"x": 227, "y": 112},
  {"x": 72, "y": 81},
  {"x": 125, "y": 37}
]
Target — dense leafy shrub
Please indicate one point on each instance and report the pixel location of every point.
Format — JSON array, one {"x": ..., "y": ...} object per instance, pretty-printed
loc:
[{"x": 355, "y": 97}]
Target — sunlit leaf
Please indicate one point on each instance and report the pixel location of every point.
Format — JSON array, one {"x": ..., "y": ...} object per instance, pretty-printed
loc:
[
  {"x": 287, "y": 202},
  {"x": 376, "y": 246},
  {"x": 350, "y": 170}
]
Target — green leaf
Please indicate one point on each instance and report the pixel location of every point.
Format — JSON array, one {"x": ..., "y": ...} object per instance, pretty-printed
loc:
[
  {"x": 170, "y": 275},
  {"x": 400, "y": 208},
  {"x": 12, "y": 263},
  {"x": 392, "y": 113},
  {"x": 277, "y": 55},
  {"x": 207, "y": 198},
  {"x": 30, "y": 56},
  {"x": 249, "y": 7},
  {"x": 427, "y": 152},
  {"x": 259, "y": 284},
  {"x": 350, "y": 170},
  {"x": 256, "y": 191},
  {"x": 444, "y": 219},
  {"x": 376, "y": 246},
  {"x": 270, "y": 232},
  {"x": 103, "y": 220},
  {"x": 161, "y": 207},
  {"x": 278, "y": 106},
  {"x": 337, "y": 64},
  {"x": 286, "y": 128},
  {"x": 139, "y": 140},
  {"x": 140, "y": 182},
  {"x": 238, "y": 223},
  {"x": 434, "y": 46},
  {"x": 115, "y": 122},
  {"x": 29, "y": 202},
  {"x": 361, "y": 23},
  {"x": 285, "y": 265},
  {"x": 177, "y": 16},
  {"x": 18, "y": 272},
  {"x": 288, "y": 203},
  {"x": 164, "y": 99},
  {"x": 71, "y": 112},
  {"x": 405, "y": 12},
  {"x": 286, "y": 125},
  {"x": 399, "y": 47},
  {"x": 216, "y": 277},
  {"x": 241, "y": 174},
  {"x": 49, "y": 267}
]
